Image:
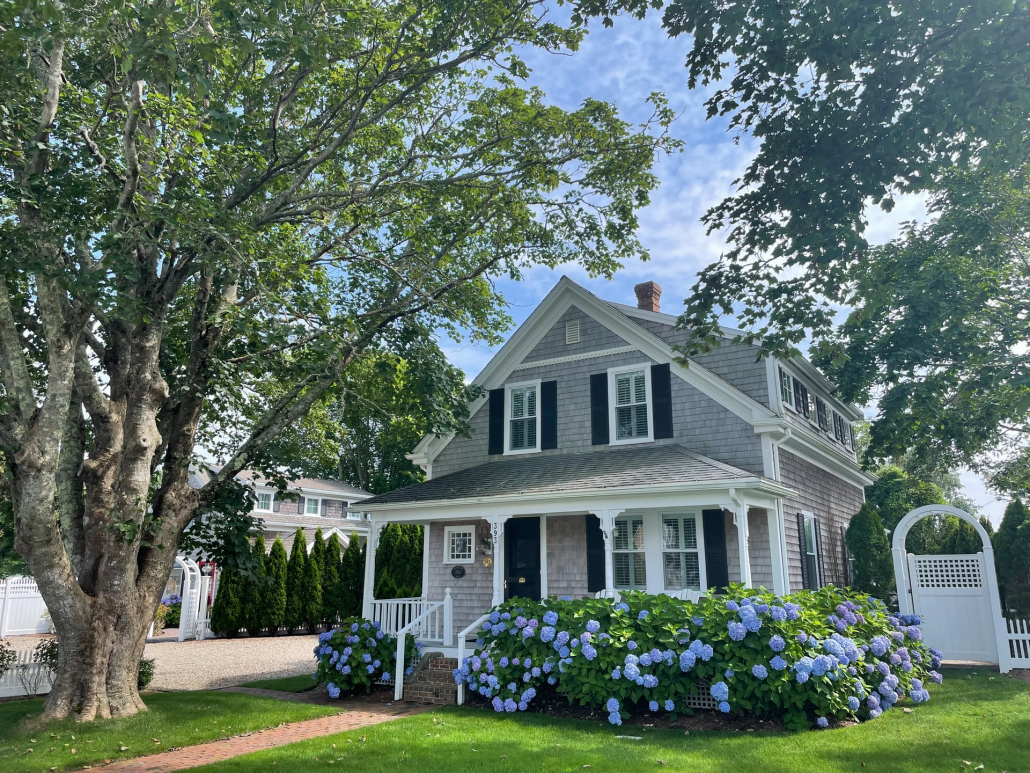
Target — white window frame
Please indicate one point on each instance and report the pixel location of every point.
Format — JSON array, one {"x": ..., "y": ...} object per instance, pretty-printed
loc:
[
  {"x": 631, "y": 550},
  {"x": 613, "y": 374},
  {"x": 447, "y": 532},
  {"x": 257, "y": 501},
  {"x": 508, "y": 450},
  {"x": 786, "y": 381},
  {"x": 811, "y": 548},
  {"x": 307, "y": 506},
  {"x": 699, "y": 548}
]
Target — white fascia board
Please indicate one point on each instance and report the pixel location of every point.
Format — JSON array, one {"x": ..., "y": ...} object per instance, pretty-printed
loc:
[
  {"x": 330, "y": 494},
  {"x": 697, "y": 494},
  {"x": 833, "y": 462},
  {"x": 358, "y": 525}
]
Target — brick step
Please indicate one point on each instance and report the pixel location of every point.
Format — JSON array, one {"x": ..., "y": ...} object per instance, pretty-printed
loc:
[{"x": 433, "y": 681}]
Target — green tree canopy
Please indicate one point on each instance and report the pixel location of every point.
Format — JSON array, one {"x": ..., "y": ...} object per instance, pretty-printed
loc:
[
  {"x": 1012, "y": 557},
  {"x": 872, "y": 567},
  {"x": 210, "y": 210}
]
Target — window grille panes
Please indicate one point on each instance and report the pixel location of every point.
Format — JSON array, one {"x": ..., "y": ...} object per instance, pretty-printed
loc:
[
  {"x": 311, "y": 507},
  {"x": 786, "y": 388},
  {"x": 820, "y": 413},
  {"x": 801, "y": 398},
  {"x": 264, "y": 501},
  {"x": 631, "y": 405},
  {"x": 628, "y": 554},
  {"x": 459, "y": 545},
  {"x": 680, "y": 558},
  {"x": 523, "y": 418}
]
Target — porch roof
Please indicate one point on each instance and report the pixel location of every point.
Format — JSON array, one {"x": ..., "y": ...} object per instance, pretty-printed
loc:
[{"x": 597, "y": 471}]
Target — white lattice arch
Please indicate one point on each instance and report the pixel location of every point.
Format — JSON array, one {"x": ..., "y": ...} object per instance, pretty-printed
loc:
[{"x": 904, "y": 581}]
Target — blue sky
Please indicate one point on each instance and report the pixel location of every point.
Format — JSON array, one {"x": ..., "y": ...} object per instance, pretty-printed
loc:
[{"x": 624, "y": 65}]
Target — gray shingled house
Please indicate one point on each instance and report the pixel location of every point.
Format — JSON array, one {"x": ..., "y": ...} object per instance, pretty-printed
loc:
[{"x": 597, "y": 462}]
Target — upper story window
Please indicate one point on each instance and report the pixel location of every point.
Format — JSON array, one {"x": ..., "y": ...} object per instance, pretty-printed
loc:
[
  {"x": 523, "y": 411},
  {"x": 680, "y": 556},
  {"x": 628, "y": 553},
  {"x": 842, "y": 431},
  {"x": 820, "y": 415},
  {"x": 631, "y": 407},
  {"x": 811, "y": 556},
  {"x": 458, "y": 545},
  {"x": 264, "y": 502},
  {"x": 786, "y": 388},
  {"x": 311, "y": 506},
  {"x": 801, "y": 399}
]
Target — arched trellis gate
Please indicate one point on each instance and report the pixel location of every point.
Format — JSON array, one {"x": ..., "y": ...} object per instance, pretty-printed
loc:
[
  {"x": 193, "y": 619},
  {"x": 956, "y": 595}
]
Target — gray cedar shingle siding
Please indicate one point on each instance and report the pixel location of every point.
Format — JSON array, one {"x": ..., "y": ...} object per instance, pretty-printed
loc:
[
  {"x": 472, "y": 593},
  {"x": 758, "y": 546},
  {"x": 825, "y": 495},
  {"x": 699, "y": 422},
  {"x": 567, "y": 556},
  {"x": 593, "y": 336}
]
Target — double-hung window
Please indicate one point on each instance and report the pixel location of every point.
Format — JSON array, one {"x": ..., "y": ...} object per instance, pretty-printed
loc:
[
  {"x": 801, "y": 399},
  {"x": 786, "y": 388},
  {"x": 812, "y": 551},
  {"x": 820, "y": 415},
  {"x": 311, "y": 506},
  {"x": 459, "y": 547},
  {"x": 628, "y": 554},
  {"x": 631, "y": 406},
  {"x": 680, "y": 556},
  {"x": 840, "y": 429},
  {"x": 523, "y": 428},
  {"x": 264, "y": 502}
]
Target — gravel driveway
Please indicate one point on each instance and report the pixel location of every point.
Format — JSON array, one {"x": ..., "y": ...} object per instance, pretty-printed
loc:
[{"x": 202, "y": 665}]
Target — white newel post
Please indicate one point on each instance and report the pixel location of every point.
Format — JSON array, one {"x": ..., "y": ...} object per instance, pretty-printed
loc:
[
  {"x": 370, "y": 568},
  {"x": 607, "y": 519},
  {"x": 497, "y": 534},
  {"x": 448, "y": 618},
  {"x": 739, "y": 510},
  {"x": 202, "y": 615},
  {"x": 902, "y": 580}
]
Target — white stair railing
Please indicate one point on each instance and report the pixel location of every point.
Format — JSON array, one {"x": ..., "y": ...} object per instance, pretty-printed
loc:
[
  {"x": 462, "y": 636},
  {"x": 431, "y": 622}
]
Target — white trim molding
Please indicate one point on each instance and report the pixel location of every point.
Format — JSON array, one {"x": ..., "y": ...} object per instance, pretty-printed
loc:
[
  {"x": 448, "y": 559},
  {"x": 574, "y": 358}
]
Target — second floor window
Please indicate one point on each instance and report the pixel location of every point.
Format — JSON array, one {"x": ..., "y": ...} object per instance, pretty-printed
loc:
[
  {"x": 631, "y": 420},
  {"x": 786, "y": 388},
  {"x": 522, "y": 429},
  {"x": 311, "y": 506},
  {"x": 264, "y": 502},
  {"x": 820, "y": 415}
]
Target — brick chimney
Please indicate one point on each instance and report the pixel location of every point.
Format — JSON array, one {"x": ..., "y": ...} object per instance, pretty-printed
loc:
[{"x": 649, "y": 296}]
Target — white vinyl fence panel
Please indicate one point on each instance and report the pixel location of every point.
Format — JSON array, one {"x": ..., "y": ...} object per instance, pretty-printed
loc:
[
  {"x": 24, "y": 677},
  {"x": 1019, "y": 642},
  {"x": 21, "y": 607}
]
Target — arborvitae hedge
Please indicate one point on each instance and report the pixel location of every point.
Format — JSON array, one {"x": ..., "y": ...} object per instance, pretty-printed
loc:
[
  {"x": 294, "y": 616},
  {"x": 254, "y": 589},
  {"x": 331, "y": 582},
  {"x": 873, "y": 569},
  {"x": 352, "y": 578},
  {"x": 311, "y": 594},
  {"x": 1012, "y": 557},
  {"x": 317, "y": 553},
  {"x": 399, "y": 562},
  {"x": 227, "y": 612},
  {"x": 274, "y": 609}
]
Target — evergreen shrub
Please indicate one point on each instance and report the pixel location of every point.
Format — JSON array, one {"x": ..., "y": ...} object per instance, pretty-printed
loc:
[
  {"x": 274, "y": 612},
  {"x": 294, "y": 614},
  {"x": 807, "y": 659}
]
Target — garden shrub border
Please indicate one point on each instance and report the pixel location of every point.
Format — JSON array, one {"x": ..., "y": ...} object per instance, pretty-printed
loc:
[
  {"x": 358, "y": 654},
  {"x": 808, "y": 658}
]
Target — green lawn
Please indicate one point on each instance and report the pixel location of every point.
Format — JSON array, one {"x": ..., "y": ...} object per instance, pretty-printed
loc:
[
  {"x": 971, "y": 718},
  {"x": 174, "y": 719},
  {"x": 285, "y": 684}
]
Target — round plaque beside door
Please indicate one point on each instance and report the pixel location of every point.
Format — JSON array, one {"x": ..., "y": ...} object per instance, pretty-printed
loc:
[{"x": 457, "y": 572}]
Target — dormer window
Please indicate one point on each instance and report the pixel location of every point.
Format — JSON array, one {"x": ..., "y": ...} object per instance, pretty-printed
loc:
[
  {"x": 631, "y": 406},
  {"x": 264, "y": 502},
  {"x": 786, "y": 388},
  {"x": 523, "y": 425},
  {"x": 820, "y": 415}
]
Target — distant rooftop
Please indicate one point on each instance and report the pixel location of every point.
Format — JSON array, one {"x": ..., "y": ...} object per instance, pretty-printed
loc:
[{"x": 203, "y": 475}]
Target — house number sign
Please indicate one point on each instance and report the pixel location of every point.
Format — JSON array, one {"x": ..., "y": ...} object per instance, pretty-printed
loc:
[{"x": 457, "y": 572}]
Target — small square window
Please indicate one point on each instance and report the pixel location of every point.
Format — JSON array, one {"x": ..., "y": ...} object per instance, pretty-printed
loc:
[
  {"x": 311, "y": 506},
  {"x": 572, "y": 332},
  {"x": 459, "y": 545},
  {"x": 264, "y": 502}
]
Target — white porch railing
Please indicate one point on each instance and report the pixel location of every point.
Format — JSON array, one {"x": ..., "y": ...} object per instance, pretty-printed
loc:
[
  {"x": 1018, "y": 636},
  {"x": 462, "y": 641},
  {"x": 433, "y": 620},
  {"x": 24, "y": 677},
  {"x": 435, "y": 624}
]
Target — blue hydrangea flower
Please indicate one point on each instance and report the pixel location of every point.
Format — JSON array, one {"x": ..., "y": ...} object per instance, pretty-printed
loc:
[
  {"x": 652, "y": 705},
  {"x": 561, "y": 639},
  {"x": 645, "y": 659},
  {"x": 593, "y": 626},
  {"x": 563, "y": 652},
  {"x": 643, "y": 614},
  {"x": 670, "y": 705},
  {"x": 622, "y": 607},
  {"x": 776, "y": 643},
  {"x": 589, "y": 652},
  {"x": 612, "y": 705},
  {"x": 778, "y": 663},
  {"x": 550, "y": 617},
  {"x": 853, "y": 703},
  {"x": 779, "y": 614},
  {"x": 699, "y": 621},
  {"x": 802, "y": 637},
  {"x": 614, "y": 718},
  {"x": 510, "y": 706},
  {"x": 616, "y": 674},
  {"x": 631, "y": 671},
  {"x": 760, "y": 671},
  {"x": 720, "y": 691},
  {"x": 801, "y": 676},
  {"x": 367, "y": 658},
  {"x": 631, "y": 645},
  {"x": 650, "y": 681},
  {"x": 823, "y": 722},
  {"x": 724, "y": 707},
  {"x": 687, "y": 660},
  {"x": 732, "y": 606},
  {"x": 370, "y": 668},
  {"x": 737, "y": 630},
  {"x": 729, "y": 672}
]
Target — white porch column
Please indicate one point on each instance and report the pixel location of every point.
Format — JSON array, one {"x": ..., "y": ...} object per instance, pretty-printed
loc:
[
  {"x": 777, "y": 549},
  {"x": 497, "y": 533},
  {"x": 739, "y": 510},
  {"x": 607, "y": 519},
  {"x": 425, "y": 562},
  {"x": 370, "y": 567}
]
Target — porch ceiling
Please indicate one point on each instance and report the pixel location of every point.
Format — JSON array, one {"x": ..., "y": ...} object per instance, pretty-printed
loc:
[{"x": 661, "y": 466}]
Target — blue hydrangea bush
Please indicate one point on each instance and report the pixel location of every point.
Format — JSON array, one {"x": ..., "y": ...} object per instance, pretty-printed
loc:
[
  {"x": 808, "y": 658},
  {"x": 358, "y": 654}
]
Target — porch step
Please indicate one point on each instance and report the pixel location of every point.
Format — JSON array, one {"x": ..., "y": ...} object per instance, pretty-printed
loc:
[{"x": 433, "y": 681}]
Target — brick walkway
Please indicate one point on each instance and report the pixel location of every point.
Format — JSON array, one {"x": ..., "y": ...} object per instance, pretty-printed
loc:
[{"x": 356, "y": 715}]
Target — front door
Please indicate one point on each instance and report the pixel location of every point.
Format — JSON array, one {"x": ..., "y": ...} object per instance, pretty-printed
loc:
[{"x": 522, "y": 558}]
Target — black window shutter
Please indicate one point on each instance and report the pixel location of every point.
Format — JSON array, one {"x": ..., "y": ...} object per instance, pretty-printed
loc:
[
  {"x": 324, "y": 506},
  {"x": 548, "y": 415},
  {"x": 847, "y": 557},
  {"x": 714, "y": 524},
  {"x": 300, "y": 506},
  {"x": 661, "y": 394},
  {"x": 805, "y": 580},
  {"x": 599, "y": 409},
  {"x": 595, "y": 554},
  {"x": 495, "y": 442},
  {"x": 819, "y": 552},
  {"x": 275, "y": 503},
  {"x": 798, "y": 386}
]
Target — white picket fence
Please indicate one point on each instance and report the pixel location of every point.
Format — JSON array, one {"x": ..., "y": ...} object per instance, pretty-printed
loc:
[
  {"x": 1018, "y": 634},
  {"x": 21, "y": 607},
  {"x": 24, "y": 677}
]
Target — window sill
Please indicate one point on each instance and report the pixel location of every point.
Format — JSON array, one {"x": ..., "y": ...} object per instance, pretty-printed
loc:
[
  {"x": 521, "y": 451},
  {"x": 631, "y": 441}
]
